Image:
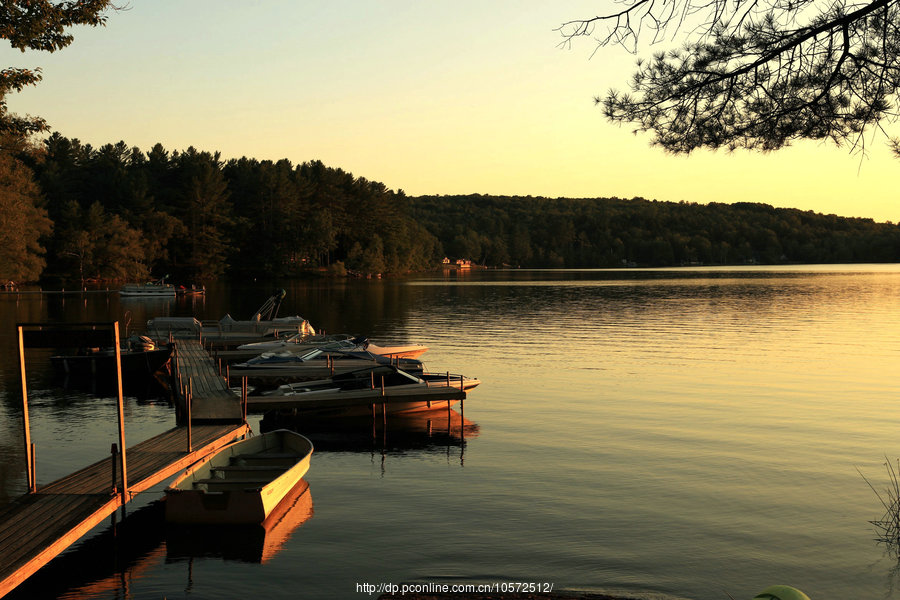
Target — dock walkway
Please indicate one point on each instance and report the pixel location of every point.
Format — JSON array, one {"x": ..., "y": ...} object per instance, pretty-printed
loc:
[
  {"x": 38, "y": 526},
  {"x": 211, "y": 398}
]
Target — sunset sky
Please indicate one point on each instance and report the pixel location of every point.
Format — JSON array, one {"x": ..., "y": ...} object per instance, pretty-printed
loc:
[{"x": 432, "y": 98}]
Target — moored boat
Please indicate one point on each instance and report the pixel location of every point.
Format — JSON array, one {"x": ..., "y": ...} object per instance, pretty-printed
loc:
[
  {"x": 357, "y": 393},
  {"x": 140, "y": 358},
  {"x": 241, "y": 483},
  {"x": 194, "y": 290},
  {"x": 150, "y": 289},
  {"x": 303, "y": 343},
  {"x": 398, "y": 351},
  {"x": 320, "y": 363}
]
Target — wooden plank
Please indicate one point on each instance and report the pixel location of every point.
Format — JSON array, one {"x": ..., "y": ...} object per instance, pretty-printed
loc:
[
  {"x": 211, "y": 400},
  {"x": 25, "y": 567}
]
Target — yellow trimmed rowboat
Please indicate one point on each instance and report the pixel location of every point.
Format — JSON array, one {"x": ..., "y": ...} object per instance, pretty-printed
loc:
[{"x": 241, "y": 483}]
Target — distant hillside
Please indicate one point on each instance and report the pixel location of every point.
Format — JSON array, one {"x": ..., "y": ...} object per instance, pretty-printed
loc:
[{"x": 610, "y": 232}]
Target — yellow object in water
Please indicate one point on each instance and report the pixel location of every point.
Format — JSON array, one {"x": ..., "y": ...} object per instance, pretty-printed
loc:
[{"x": 781, "y": 592}]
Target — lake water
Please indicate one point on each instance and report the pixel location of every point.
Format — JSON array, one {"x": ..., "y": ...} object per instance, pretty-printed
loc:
[{"x": 664, "y": 434}]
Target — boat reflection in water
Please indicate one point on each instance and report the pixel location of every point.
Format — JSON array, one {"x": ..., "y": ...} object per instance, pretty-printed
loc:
[
  {"x": 433, "y": 431},
  {"x": 244, "y": 543}
]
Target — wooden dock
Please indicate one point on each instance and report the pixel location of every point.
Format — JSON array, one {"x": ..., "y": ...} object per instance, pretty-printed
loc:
[
  {"x": 48, "y": 519},
  {"x": 39, "y": 525},
  {"x": 210, "y": 397}
]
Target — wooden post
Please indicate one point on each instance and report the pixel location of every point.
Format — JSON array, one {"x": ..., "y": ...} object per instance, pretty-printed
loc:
[
  {"x": 382, "y": 385},
  {"x": 121, "y": 411},
  {"x": 29, "y": 447}
]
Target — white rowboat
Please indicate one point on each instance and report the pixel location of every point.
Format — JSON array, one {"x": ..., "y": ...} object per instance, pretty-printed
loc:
[{"x": 241, "y": 483}]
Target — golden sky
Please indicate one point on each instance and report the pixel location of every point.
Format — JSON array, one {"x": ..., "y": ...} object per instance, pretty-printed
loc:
[{"x": 432, "y": 98}]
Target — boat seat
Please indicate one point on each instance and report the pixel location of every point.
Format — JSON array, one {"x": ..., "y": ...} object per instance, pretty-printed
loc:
[
  {"x": 265, "y": 455},
  {"x": 242, "y": 472},
  {"x": 234, "y": 468},
  {"x": 221, "y": 485},
  {"x": 264, "y": 460}
]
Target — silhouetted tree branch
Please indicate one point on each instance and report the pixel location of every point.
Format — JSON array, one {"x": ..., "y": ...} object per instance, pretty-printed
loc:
[{"x": 754, "y": 74}]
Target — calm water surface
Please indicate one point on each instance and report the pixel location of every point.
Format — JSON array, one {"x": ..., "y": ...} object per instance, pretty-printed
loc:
[{"x": 663, "y": 434}]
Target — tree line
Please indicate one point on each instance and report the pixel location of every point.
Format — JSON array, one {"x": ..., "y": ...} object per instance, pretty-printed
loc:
[
  {"x": 116, "y": 212},
  {"x": 72, "y": 212},
  {"x": 614, "y": 232}
]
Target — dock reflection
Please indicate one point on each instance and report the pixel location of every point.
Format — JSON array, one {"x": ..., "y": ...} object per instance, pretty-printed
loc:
[{"x": 243, "y": 543}]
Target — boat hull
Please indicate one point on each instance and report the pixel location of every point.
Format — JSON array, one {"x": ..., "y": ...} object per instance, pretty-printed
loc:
[
  {"x": 412, "y": 351},
  {"x": 242, "y": 483}
]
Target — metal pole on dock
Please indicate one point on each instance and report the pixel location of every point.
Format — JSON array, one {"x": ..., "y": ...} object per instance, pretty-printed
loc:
[
  {"x": 121, "y": 411},
  {"x": 29, "y": 447}
]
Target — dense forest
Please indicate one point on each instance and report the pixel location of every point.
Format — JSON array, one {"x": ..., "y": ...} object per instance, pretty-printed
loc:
[
  {"x": 72, "y": 212},
  {"x": 116, "y": 212},
  {"x": 612, "y": 232}
]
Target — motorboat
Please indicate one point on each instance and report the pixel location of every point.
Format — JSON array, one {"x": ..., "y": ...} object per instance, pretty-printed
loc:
[
  {"x": 260, "y": 327},
  {"x": 265, "y": 321},
  {"x": 359, "y": 392},
  {"x": 241, "y": 483},
  {"x": 319, "y": 363},
  {"x": 303, "y": 343}
]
